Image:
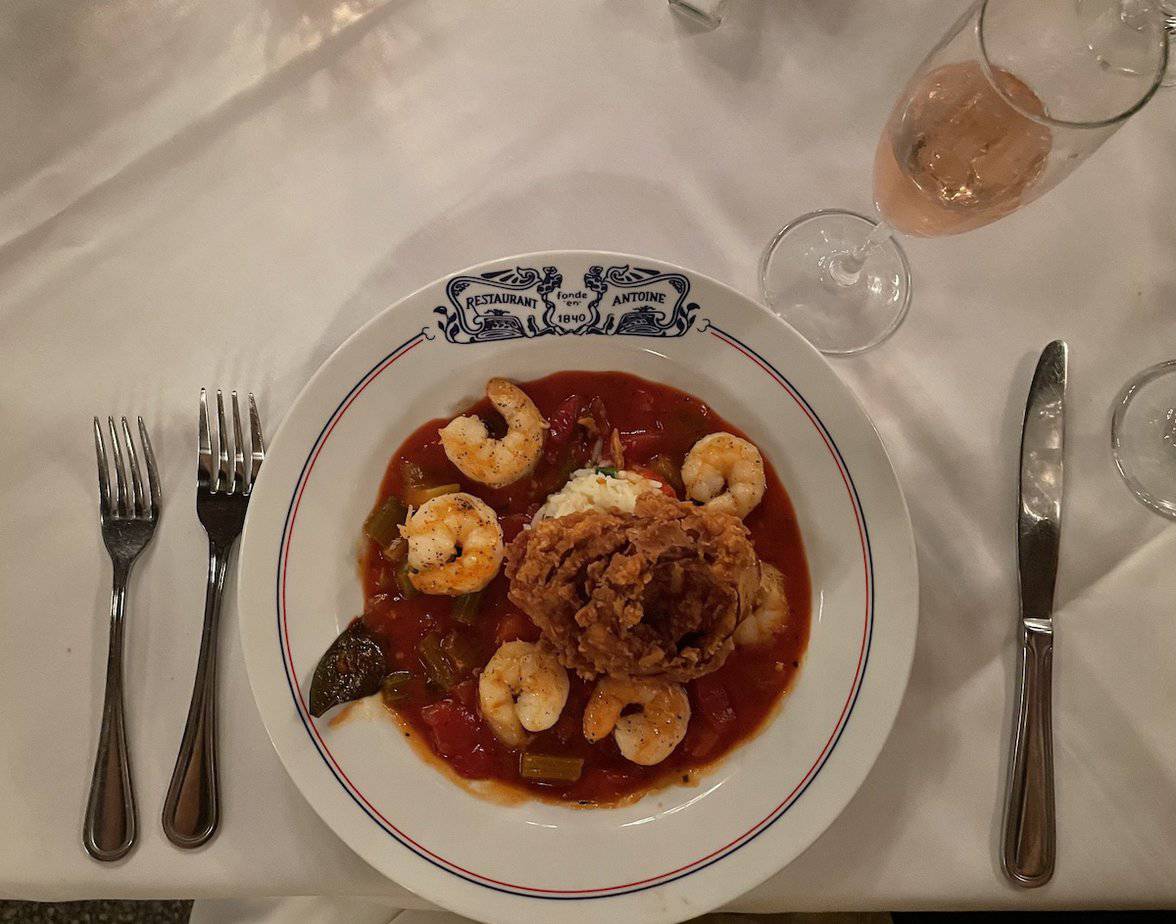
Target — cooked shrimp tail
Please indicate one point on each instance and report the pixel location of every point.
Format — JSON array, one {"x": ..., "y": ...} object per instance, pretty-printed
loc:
[
  {"x": 725, "y": 473},
  {"x": 769, "y": 612},
  {"x": 454, "y": 545},
  {"x": 647, "y": 736},
  {"x": 497, "y": 462},
  {"x": 522, "y": 689}
]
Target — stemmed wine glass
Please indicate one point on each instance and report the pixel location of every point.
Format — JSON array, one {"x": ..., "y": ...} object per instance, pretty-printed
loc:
[
  {"x": 1100, "y": 18},
  {"x": 1008, "y": 103},
  {"x": 1143, "y": 437}
]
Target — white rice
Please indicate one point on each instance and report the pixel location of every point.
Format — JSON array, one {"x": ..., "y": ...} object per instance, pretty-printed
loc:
[{"x": 589, "y": 489}]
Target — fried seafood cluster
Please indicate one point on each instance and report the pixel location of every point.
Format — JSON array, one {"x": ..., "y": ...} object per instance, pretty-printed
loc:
[{"x": 654, "y": 593}]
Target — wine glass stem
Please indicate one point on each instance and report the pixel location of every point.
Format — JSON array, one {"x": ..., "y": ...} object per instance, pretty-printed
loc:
[{"x": 846, "y": 268}]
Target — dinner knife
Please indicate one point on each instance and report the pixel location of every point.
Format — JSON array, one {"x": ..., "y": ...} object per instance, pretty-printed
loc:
[{"x": 1029, "y": 842}]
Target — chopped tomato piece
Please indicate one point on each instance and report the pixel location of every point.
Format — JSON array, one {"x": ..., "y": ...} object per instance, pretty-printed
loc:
[
  {"x": 466, "y": 693},
  {"x": 714, "y": 704},
  {"x": 701, "y": 740},
  {"x": 515, "y": 626},
  {"x": 562, "y": 424},
  {"x": 459, "y": 737},
  {"x": 601, "y": 782},
  {"x": 654, "y": 476},
  {"x": 454, "y": 727},
  {"x": 639, "y": 444},
  {"x": 568, "y": 727}
]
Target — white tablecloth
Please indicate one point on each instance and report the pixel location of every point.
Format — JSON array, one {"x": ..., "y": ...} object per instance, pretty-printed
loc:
[{"x": 219, "y": 193}]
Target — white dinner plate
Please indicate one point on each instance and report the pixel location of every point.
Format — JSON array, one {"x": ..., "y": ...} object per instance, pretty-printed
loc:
[{"x": 679, "y": 851}]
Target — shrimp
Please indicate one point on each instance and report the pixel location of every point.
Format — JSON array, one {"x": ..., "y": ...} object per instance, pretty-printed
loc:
[
  {"x": 522, "y": 689},
  {"x": 454, "y": 545},
  {"x": 497, "y": 463},
  {"x": 726, "y": 473},
  {"x": 770, "y": 612},
  {"x": 646, "y": 737}
]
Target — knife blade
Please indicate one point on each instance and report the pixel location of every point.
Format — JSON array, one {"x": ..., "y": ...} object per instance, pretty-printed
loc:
[{"x": 1029, "y": 844}]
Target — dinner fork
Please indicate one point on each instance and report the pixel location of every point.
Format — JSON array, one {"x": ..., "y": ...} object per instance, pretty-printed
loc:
[
  {"x": 191, "y": 811},
  {"x": 128, "y": 523}
]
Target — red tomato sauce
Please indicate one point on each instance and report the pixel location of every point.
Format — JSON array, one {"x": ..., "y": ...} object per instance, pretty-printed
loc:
[{"x": 727, "y": 706}]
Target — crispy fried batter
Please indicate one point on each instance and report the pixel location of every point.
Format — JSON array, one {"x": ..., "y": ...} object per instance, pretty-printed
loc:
[{"x": 654, "y": 593}]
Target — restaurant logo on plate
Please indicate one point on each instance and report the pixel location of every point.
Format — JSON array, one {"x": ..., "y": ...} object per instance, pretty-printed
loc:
[{"x": 527, "y": 302}]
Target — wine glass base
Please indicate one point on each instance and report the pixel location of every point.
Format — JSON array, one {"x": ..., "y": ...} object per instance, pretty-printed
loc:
[
  {"x": 1143, "y": 437},
  {"x": 802, "y": 280}
]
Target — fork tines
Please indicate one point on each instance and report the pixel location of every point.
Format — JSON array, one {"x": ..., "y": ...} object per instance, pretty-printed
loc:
[
  {"x": 137, "y": 503},
  {"x": 229, "y": 474}
]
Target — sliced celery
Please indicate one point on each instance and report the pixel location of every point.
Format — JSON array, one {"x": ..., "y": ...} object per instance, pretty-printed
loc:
[
  {"x": 465, "y": 608},
  {"x": 395, "y": 686},
  {"x": 438, "y": 667},
  {"x": 404, "y": 579},
  {"x": 419, "y": 495},
  {"x": 462, "y": 653},
  {"x": 551, "y": 768},
  {"x": 383, "y": 525}
]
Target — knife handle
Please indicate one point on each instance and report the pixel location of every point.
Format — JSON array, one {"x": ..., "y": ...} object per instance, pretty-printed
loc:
[{"x": 1030, "y": 845}]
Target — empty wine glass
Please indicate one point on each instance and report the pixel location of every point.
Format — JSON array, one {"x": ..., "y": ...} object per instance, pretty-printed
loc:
[
  {"x": 1009, "y": 102},
  {"x": 1103, "y": 18},
  {"x": 1143, "y": 437}
]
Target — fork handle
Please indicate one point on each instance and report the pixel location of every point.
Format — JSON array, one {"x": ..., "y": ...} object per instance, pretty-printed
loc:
[
  {"x": 191, "y": 811},
  {"x": 110, "y": 826}
]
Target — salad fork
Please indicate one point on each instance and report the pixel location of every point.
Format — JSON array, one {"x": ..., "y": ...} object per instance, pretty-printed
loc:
[
  {"x": 191, "y": 811},
  {"x": 128, "y": 523}
]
